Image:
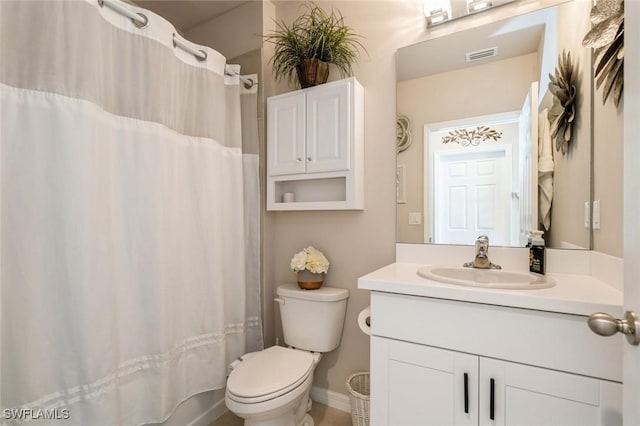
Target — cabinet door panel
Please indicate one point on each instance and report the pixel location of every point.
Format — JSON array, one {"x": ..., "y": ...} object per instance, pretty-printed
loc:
[
  {"x": 420, "y": 385},
  {"x": 525, "y": 395},
  {"x": 420, "y": 395},
  {"x": 531, "y": 408},
  {"x": 328, "y": 128},
  {"x": 285, "y": 134}
]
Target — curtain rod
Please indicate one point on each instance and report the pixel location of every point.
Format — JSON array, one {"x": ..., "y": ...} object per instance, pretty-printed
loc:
[
  {"x": 140, "y": 21},
  {"x": 248, "y": 83},
  {"x": 201, "y": 55}
]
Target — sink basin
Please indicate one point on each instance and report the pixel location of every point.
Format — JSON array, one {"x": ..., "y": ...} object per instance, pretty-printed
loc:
[{"x": 486, "y": 278}]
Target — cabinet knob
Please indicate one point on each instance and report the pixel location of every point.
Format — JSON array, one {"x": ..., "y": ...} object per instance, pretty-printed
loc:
[
  {"x": 308, "y": 159},
  {"x": 606, "y": 325},
  {"x": 298, "y": 159}
]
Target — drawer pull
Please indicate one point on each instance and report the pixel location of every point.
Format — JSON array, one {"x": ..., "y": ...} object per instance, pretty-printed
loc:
[
  {"x": 492, "y": 400},
  {"x": 466, "y": 393}
]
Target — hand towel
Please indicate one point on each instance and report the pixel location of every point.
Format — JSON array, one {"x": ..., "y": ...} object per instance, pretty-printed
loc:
[{"x": 545, "y": 170}]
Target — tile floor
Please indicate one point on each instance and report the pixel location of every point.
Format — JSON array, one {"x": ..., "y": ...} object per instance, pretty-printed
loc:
[{"x": 322, "y": 416}]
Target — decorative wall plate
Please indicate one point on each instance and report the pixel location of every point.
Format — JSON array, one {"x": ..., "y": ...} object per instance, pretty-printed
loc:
[
  {"x": 563, "y": 112},
  {"x": 403, "y": 133},
  {"x": 607, "y": 38},
  {"x": 471, "y": 137}
]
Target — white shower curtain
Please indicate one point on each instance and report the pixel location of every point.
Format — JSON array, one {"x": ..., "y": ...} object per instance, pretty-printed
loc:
[{"x": 129, "y": 218}]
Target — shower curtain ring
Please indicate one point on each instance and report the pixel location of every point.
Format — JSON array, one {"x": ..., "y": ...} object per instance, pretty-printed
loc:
[
  {"x": 142, "y": 24},
  {"x": 140, "y": 20},
  {"x": 203, "y": 57}
]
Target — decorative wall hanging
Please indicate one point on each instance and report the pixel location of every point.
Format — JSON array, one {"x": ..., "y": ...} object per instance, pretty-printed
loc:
[
  {"x": 563, "y": 112},
  {"x": 403, "y": 133},
  {"x": 466, "y": 137},
  {"x": 607, "y": 38}
]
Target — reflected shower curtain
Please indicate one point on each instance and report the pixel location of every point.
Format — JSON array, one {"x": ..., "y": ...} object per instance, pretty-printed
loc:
[{"x": 129, "y": 218}]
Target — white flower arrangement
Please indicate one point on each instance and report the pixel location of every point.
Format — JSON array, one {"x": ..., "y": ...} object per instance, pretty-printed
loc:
[{"x": 310, "y": 259}]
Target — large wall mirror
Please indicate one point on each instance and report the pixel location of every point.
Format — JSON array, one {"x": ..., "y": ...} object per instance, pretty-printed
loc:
[{"x": 472, "y": 140}]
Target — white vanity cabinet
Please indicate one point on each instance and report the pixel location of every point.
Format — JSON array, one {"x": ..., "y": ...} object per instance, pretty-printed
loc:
[
  {"x": 444, "y": 362},
  {"x": 315, "y": 147},
  {"x": 422, "y": 385},
  {"x": 526, "y": 395}
]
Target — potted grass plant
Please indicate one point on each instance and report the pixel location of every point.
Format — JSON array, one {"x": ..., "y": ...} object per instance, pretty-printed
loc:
[{"x": 315, "y": 39}]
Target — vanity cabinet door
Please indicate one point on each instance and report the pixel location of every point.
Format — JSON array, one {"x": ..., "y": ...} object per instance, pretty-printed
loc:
[
  {"x": 525, "y": 395},
  {"x": 420, "y": 385}
]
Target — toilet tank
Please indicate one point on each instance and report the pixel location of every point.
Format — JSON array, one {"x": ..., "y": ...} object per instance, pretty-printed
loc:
[{"x": 312, "y": 320}]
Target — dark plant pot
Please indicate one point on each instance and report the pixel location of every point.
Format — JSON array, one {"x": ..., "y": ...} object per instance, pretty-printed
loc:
[{"x": 312, "y": 72}]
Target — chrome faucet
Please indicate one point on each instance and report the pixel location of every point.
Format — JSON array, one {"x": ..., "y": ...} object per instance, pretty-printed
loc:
[{"x": 482, "y": 255}]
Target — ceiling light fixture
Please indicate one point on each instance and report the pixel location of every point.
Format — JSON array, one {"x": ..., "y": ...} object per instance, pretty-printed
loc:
[
  {"x": 436, "y": 17},
  {"x": 437, "y": 11},
  {"x": 474, "y": 6}
]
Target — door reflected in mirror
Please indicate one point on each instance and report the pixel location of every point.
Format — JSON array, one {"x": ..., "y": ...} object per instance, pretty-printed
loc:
[
  {"x": 481, "y": 179},
  {"x": 477, "y": 102}
]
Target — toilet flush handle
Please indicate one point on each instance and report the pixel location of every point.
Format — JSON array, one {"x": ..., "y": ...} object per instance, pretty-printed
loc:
[{"x": 280, "y": 301}]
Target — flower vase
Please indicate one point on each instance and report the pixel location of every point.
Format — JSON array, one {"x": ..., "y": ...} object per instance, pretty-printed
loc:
[{"x": 307, "y": 280}]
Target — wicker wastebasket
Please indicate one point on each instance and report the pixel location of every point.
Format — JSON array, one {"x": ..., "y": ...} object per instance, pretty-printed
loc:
[{"x": 359, "y": 396}]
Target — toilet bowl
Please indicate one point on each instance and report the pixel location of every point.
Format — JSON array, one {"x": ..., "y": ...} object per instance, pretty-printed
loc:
[{"x": 271, "y": 387}]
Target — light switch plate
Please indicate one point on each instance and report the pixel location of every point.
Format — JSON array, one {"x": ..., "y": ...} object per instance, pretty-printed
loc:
[
  {"x": 587, "y": 214},
  {"x": 596, "y": 214},
  {"x": 415, "y": 218}
]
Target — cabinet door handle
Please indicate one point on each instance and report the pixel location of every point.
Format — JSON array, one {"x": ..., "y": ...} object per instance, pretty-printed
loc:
[
  {"x": 299, "y": 159},
  {"x": 492, "y": 400},
  {"x": 466, "y": 393},
  {"x": 308, "y": 159}
]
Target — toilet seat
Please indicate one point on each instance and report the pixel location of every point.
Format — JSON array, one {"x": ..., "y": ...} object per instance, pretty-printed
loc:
[{"x": 269, "y": 374}]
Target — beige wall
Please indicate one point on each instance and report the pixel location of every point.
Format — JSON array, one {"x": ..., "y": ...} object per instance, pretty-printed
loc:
[
  {"x": 233, "y": 33},
  {"x": 356, "y": 242},
  {"x": 608, "y": 138},
  {"x": 481, "y": 90},
  {"x": 267, "y": 219},
  {"x": 359, "y": 242},
  {"x": 572, "y": 174}
]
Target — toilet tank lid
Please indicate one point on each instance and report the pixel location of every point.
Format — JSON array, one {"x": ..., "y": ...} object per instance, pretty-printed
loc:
[{"x": 323, "y": 294}]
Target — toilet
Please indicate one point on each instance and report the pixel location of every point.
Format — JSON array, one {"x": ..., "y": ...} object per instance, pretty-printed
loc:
[{"x": 271, "y": 387}]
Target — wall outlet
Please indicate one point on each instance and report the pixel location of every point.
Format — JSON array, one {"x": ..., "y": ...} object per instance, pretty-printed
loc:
[
  {"x": 415, "y": 218},
  {"x": 596, "y": 214}
]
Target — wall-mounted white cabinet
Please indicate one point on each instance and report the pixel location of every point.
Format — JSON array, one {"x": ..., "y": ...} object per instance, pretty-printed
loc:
[
  {"x": 441, "y": 362},
  {"x": 315, "y": 148}
]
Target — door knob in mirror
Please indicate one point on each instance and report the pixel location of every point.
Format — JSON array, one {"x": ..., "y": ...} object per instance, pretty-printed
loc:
[{"x": 606, "y": 325}]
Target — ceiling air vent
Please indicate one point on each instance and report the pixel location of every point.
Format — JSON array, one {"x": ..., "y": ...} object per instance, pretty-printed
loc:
[{"x": 482, "y": 54}]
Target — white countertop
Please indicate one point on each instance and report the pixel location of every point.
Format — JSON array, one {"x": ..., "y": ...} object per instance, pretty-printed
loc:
[{"x": 572, "y": 294}]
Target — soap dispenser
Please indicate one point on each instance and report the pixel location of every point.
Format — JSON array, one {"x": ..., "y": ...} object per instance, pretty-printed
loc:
[
  {"x": 536, "y": 253},
  {"x": 528, "y": 239}
]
